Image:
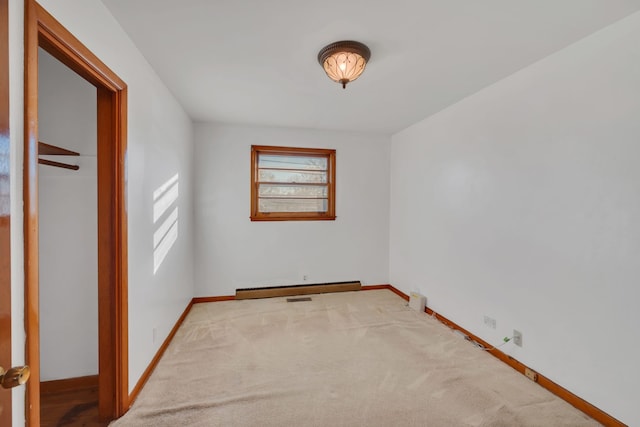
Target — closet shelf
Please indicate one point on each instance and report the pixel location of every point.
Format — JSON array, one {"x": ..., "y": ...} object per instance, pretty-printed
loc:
[{"x": 52, "y": 150}]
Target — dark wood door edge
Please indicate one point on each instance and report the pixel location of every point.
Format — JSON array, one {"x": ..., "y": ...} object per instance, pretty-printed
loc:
[{"x": 5, "y": 217}]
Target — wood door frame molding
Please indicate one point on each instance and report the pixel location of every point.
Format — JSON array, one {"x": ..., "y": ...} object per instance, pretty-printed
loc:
[{"x": 42, "y": 30}]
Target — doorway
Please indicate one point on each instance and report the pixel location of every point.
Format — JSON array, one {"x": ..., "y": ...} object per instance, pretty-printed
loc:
[
  {"x": 43, "y": 31},
  {"x": 67, "y": 230}
]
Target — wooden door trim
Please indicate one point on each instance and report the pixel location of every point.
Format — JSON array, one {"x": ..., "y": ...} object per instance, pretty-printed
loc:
[
  {"x": 42, "y": 30},
  {"x": 5, "y": 217}
]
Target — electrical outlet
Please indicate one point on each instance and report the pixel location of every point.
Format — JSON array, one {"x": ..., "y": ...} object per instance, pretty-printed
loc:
[
  {"x": 532, "y": 375},
  {"x": 517, "y": 338},
  {"x": 490, "y": 322},
  {"x": 305, "y": 277}
]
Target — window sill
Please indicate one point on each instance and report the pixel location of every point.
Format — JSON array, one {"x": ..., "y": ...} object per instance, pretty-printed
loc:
[{"x": 292, "y": 218}]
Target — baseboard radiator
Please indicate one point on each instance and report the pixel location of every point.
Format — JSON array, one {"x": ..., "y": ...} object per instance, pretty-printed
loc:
[{"x": 285, "y": 291}]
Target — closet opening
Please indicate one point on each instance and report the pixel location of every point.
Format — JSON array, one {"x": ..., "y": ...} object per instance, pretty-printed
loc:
[
  {"x": 68, "y": 244},
  {"x": 63, "y": 170}
]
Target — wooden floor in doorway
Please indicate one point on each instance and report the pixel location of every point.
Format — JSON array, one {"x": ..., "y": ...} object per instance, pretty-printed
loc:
[{"x": 71, "y": 408}]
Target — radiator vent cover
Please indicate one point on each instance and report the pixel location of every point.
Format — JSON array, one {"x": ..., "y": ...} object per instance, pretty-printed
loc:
[
  {"x": 287, "y": 291},
  {"x": 302, "y": 299}
]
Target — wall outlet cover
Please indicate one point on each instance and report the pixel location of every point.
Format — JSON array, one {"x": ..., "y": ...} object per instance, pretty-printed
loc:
[
  {"x": 490, "y": 322},
  {"x": 517, "y": 338}
]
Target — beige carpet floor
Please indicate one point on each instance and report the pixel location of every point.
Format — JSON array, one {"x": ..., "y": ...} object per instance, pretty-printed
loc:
[{"x": 345, "y": 359}]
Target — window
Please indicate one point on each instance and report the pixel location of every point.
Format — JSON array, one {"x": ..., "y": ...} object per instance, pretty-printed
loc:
[{"x": 292, "y": 183}]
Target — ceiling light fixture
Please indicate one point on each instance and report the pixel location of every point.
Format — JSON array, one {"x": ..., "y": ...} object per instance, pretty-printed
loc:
[{"x": 344, "y": 61}]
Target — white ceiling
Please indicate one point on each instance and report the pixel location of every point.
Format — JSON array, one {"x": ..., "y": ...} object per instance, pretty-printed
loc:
[{"x": 254, "y": 61}]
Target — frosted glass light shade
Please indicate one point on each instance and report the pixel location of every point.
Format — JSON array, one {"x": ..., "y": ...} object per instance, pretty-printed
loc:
[{"x": 344, "y": 61}]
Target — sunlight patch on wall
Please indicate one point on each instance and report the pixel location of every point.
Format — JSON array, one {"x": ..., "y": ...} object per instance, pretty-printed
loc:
[
  {"x": 166, "y": 233},
  {"x": 164, "y": 197}
]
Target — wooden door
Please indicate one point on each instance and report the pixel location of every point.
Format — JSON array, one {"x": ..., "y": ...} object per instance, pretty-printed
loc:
[{"x": 5, "y": 259}]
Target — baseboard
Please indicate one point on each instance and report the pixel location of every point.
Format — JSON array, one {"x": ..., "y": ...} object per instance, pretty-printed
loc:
[
  {"x": 387, "y": 287},
  {"x": 564, "y": 394},
  {"x": 69, "y": 384},
  {"x": 154, "y": 362},
  {"x": 285, "y": 291},
  {"x": 198, "y": 300}
]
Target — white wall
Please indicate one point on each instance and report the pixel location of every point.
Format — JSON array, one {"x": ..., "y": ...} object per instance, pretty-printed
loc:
[
  {"x": 233, "y": 252},
  {"x": 160, "y": 144},
  {"x": 521, "y": 203},
  {"x": 67, "y": 117}
]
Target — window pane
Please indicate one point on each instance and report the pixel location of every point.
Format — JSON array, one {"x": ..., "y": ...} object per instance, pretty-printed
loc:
[
  {"x": 290, "y": 176},
  {"x": 293, "y": 191},
  {"x": 293, "y": 205},
  {"x": 291, "y": 162}
]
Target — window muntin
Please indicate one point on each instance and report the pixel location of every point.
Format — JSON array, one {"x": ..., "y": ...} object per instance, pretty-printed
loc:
[{"x": 292, "y": 183}]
